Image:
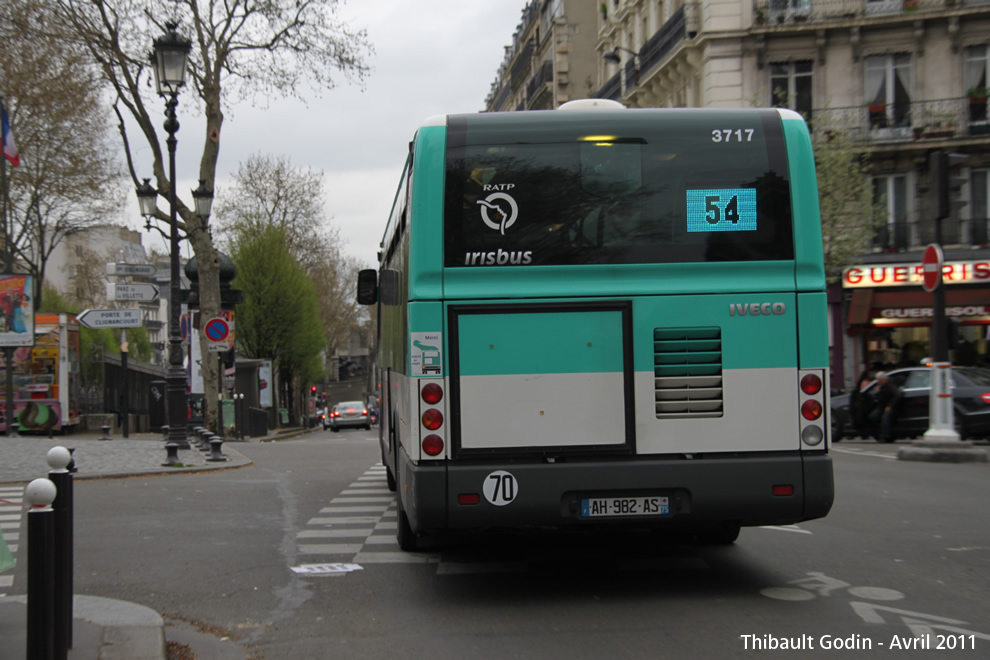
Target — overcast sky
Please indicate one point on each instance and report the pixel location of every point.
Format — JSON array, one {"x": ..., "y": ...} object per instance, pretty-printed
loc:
[{"x": 431, "y": 57}]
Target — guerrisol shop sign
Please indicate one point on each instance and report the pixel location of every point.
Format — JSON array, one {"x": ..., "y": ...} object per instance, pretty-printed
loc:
[{"x": 878, "y": 275}]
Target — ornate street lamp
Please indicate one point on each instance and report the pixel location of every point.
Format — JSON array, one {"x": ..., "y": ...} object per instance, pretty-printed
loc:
[
  {"x": 169, "y": 64},
  {"x": 203, "y": 197}
]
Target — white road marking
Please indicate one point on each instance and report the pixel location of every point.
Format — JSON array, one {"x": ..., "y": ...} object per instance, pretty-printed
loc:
[
  {"x": 356, "y": 532},
  {"x": 786, "y": 528},
  {"x": 330, "y": 548},
  {"x": 860, "y": 452},
  {"x": 396, "y": 558},
  {"x": 353, "y": 509}
]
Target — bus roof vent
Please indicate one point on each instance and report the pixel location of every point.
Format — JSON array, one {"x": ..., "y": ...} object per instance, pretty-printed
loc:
[
  {"x": 688, "y": 372},
  {"x": 592, "y": 104}
]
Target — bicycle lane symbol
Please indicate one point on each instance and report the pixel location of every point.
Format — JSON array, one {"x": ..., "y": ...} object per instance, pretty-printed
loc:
[{"x": 818, "y": 584}]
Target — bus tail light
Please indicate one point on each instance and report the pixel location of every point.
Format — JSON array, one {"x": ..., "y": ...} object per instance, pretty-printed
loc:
[
  {"x": 432, "y": 419},
  {"x": 811, "y": 384},
  {"x": 432, "y": 444},
  {"x": 468, "y": 498},
  {"x": 813, "y": 402},
  {"x": 783, "y": 490},
  {"x": 811, "y": 409},
  {"x": 432, "y": 393}
]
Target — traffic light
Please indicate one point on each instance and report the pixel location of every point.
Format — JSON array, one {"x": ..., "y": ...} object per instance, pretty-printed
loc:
[
  {"x": 944, "y": 186},
  {"x": 313, "y": 389},
  {"x": 952, "y": 332}
]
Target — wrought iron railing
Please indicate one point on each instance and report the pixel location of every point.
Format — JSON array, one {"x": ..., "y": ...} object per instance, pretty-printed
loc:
[
  {"x": 905, "y": 122},
  {"x": 520, "y": 68},
  {"x": 543, "y": 75},
  {"x": 502, "y": 95},
  {"x": 612, "y": 88},
  {"x": 671, "y": 33},
  {"x": 912, "y": 235},
  {"x": 777, "y": 12}
]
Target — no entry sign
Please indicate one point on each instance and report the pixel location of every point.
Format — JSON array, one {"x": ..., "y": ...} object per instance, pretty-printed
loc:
[{"x": 931, "y": 267}]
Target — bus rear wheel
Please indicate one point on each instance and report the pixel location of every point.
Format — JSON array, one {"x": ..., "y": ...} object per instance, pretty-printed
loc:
[{"x": 408, "y": 541}]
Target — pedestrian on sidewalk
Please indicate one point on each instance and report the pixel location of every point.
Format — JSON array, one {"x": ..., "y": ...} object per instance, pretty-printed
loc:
[{"x": 888, "y": 397}]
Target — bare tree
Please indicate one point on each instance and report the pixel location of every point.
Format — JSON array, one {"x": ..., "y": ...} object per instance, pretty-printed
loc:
[
  {"x": 69, "y": 178},
  {"x": 89, "y": 275},
  {"x": 268, "y": 192},
  {"x": 240, "y": 50}
]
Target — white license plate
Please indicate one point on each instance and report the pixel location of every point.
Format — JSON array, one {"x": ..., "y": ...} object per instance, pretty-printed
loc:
[{"x": 654, "y": 505}]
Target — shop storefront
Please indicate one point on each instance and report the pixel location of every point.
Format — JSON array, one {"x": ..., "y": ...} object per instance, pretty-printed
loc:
[{"x": 886, "y": 316}]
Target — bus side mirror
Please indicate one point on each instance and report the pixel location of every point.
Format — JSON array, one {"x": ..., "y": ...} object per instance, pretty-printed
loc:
[{"x": 367, "y": 289}]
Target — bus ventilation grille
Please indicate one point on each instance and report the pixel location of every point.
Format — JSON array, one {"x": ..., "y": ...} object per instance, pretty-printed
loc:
[{"x": 688, "y": 372}]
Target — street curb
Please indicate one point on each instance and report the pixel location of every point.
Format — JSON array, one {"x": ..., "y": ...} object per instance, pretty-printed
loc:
[{"x": 242, "y": 462}]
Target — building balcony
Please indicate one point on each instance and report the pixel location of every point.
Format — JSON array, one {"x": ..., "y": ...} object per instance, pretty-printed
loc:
[
  {"x": 539, "y": 85},
  {"x": 612, "y": 88},
  {"x": 908, "y": 236},
  {"x": 772, "y": 13},
  {"x": 683, "y": 24},
  {"x": 940, "y": 119}
]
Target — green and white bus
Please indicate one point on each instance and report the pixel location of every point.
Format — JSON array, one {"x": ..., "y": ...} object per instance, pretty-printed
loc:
[{"x": 598, "y": 316}]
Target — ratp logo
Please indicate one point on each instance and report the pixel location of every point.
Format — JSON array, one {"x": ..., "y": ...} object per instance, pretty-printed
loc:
[{"x": 502, "y": 219}]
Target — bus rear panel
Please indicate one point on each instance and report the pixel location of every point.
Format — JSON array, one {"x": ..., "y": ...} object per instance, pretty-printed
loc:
[{"x": 606, "y": 318}]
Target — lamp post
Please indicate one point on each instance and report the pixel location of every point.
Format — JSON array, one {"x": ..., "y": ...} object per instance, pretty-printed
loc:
[
  {"x": 614, "y": 57},
  {"x": 168, "y": 61}
]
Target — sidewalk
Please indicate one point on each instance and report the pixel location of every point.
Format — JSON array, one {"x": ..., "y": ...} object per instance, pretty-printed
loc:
[{"x": 103, "y": 628}]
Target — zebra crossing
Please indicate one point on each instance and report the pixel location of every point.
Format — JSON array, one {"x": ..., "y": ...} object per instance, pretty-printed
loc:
[
  {"x": 357, "y": 528},
  {"x": 11, "y": 512}
]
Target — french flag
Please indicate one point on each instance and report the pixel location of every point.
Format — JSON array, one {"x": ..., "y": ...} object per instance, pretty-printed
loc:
[{"x": 9, "y": 146}]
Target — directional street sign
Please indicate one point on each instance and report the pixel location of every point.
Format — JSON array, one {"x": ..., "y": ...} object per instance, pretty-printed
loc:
[
  {"x": 110, "y": 318},
  {"x": 137, "y": 292},
  {"x": 146, "y": 270}
]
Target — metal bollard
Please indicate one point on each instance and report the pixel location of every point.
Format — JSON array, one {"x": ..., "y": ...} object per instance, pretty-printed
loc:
[
  {"x": 172, "y": 455},
  {"x": 40, "y": 493},
  {"x": 164, "y": 433},
  {"x": 215, "y": 454},
  {"x": 58, "y": 460},
  {"x": 201, "y": 438},
  {"x": 204, "y": 442},
  {"x": 106, "y": 433}
]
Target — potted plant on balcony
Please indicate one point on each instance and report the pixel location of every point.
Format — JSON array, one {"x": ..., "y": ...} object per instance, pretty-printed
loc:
[{"x": 977, "y": 95}]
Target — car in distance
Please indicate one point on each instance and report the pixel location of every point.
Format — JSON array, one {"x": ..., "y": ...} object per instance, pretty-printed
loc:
[
  {"x": 349, "y": 414},
  {"x": 970, "y": 398}
]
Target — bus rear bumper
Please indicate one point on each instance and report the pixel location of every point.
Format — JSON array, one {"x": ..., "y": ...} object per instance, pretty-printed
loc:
[{"x": 699, "y": 492}]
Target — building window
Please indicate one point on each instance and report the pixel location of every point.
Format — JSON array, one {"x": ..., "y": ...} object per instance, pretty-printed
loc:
[
  {"x": 898, "y": 234},
  {"x": 790, "y": 85},
  {"x": 876, "y": 7},
  {"x": 789, "y": 10},
  {"x": 979, "y": 212},
  {"x": 975, "y": 76},
  {"x": 888, "y": 81}
]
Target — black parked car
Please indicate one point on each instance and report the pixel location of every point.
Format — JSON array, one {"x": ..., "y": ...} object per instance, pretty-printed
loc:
[{"x": 970, "y": 395}]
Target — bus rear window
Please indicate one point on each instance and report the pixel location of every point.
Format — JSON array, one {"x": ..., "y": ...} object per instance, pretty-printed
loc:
[{"x": 617, "y": 187}]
